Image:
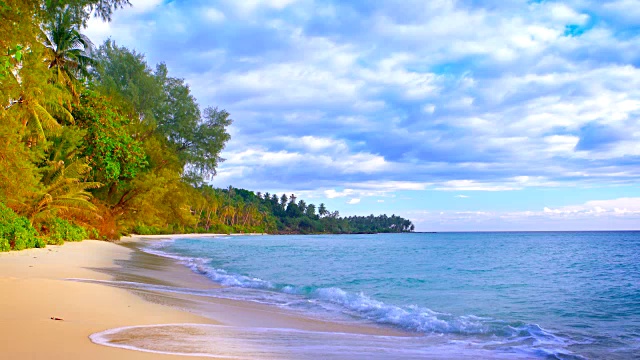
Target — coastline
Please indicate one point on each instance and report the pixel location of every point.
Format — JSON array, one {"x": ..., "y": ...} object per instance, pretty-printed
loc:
[{"x": 36, "y": 287}]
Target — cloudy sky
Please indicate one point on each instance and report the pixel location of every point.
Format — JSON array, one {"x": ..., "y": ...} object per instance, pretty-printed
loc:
[{"x": 460, "y": 115}]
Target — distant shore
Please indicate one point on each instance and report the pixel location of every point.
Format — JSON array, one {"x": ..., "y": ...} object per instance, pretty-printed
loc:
[{"x": 37, "y": 291}]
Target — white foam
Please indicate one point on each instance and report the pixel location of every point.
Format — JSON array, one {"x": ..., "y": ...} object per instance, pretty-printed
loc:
[
  {"x": 275, "y": 343},
  {"x": 413, "y": 318}
]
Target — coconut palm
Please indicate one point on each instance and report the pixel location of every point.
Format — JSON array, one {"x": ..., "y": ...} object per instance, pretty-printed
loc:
[
  {"x": 65, "y": 192},
  {"x": 68, "y": 51},
  {"x": 65, "y": 195},
  {"x": 68, "y": 55}
]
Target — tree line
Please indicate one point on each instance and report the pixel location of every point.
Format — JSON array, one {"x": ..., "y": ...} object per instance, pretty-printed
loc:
[
  {"x": 95, "y": 142},
  {"x": 239, "y": 210}
]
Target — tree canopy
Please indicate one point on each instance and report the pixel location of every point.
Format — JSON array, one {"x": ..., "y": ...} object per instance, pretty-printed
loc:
[{"x": 96, "y": 142}]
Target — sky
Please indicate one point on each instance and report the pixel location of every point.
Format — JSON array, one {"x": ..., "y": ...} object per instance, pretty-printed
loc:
[{"x": 468, "y": 115}]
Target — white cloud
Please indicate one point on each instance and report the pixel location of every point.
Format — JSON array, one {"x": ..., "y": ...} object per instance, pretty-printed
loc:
[
  {"x": 316, "y": 143},
  {"x": 497, "y": 99},
  {"x": 142, "y": 6},
  {"x": 472, "y": 185},
  {"x": 621, "y": 206},
  {"x": 331, "y": 193},
  {"x": 353, "y": 201},
  {"x": 428, "y": 109},
  {"x": 213, "y": 14},
  {"x": 374, "y": 189},
  {"x": 614, "y": 214},
  {"x": 565, "y": 14},
  {"x": 462, "y": 196}
]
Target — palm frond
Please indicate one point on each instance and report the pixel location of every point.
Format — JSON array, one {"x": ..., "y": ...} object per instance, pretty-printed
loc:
[
  {"x": 46, "y": 120},
  {"x": 66, "y": 193},
  {"x": 35, "y": 125}
]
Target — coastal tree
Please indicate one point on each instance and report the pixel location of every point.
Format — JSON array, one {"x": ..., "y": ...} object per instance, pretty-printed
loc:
[
  {"x": 311, "y": 211},
  {"x": 322, "y": 210},
  {"x": 302, "y": 205},
  {"x": 68, "y": 52}
]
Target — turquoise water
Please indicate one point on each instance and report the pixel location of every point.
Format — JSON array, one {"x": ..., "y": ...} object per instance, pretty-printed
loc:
[{"x": 542, "y": 295}]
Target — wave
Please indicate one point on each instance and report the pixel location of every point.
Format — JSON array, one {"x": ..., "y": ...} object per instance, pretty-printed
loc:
[
  {"x": 518, "y": 336},
  {"x": 231, "y": 342}
]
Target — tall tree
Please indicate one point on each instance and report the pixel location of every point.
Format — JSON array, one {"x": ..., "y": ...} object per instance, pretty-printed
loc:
[
  {"x": 198, "y": 139},
  {"x": 68, "y": 52},
  {"x": 165, "y": 106},
  {"x": 65, "y": 194},
  {"x": 302, "y": 205},
  {"x": 311, "y": 211},
  {"x": 322, "y": 210},
  {"x": 81, "y": 10},
  {"x": 124, "y": 75}
]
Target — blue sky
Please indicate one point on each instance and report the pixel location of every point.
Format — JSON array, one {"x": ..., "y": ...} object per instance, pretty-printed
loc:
[{"x": 460, "y": 115}]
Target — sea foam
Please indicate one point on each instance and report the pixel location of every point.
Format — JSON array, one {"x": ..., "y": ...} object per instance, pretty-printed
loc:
[
  {"x": 277, "y": 343},
  {"x": 520, "y": 337}
]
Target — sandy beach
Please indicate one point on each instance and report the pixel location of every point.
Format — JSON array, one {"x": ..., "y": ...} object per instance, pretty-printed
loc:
[
  {"x": 36, "y": 287},
  {"x": 34, "y": 290}
]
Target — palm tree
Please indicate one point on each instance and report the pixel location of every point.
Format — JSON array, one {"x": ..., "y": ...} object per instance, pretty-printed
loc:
[
  {"x": 68, "y": 51},
  {"x": 322, "y": 210},
  {"x": 67, "y": 54},
  {"x": 65, "y": 193}
]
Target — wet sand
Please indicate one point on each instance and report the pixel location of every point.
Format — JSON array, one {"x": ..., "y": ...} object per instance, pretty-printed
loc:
[{"x": 36, "y": 287}]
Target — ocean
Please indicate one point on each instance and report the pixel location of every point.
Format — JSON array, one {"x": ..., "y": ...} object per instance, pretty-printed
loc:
[{"x": 546, "y": 295}]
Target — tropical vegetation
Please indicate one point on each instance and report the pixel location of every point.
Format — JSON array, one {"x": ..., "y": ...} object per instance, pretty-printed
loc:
[{"x": 94, "y": 142}]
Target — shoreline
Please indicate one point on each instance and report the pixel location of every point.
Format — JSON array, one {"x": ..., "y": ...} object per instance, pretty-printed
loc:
[
  {"x": 225, "y": 311},
  {"x": 37, "y": 287}
]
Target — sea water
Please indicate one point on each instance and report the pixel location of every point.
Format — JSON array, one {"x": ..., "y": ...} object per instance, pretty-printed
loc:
[{"x": 559, "y": 295}]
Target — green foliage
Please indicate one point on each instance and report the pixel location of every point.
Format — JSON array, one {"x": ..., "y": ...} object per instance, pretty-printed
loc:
[
  {"x": 241, "y": 211},
  {"x": 197, "y": 139},
  {"x": 10, "y": 60},
  {"x": 19, "y": 177},
  {"x": 65, "y": 192},
  {"x": 114, "y": 153},
  {"x": 60, "y": 230},
  {"x": 81, "y": 10},
  {"x": 124, "y": 76},
  {"x": 130, "y": 153},
  {"x": 4, "y": 245},
  {"x": 142, "y": 229},
  {"x": 67, "y": 50},
  {"x": 16, "y": 231},
  {"x": 165, "y": 106}
]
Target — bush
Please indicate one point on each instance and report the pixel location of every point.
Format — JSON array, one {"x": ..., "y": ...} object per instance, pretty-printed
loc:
[
  {"x": 221, "y": 229},
  {"x": 142, "y": 229},
  {"x": 61, "y": 230},
  {"x": 4, "y": 245},
  {"x": 16, "y": 232}
]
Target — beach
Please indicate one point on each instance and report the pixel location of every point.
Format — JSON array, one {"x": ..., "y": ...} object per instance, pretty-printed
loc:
[
  {"x": 35, "y": 289},
  {"x": 413, "y": 296},
  {"x": 72, "y": 283}
]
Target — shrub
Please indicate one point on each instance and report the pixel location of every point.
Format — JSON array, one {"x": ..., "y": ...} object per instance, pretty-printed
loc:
[
  {"x": 61, "y": 230},
  {"x": 4, "y": 245},
  {"x": 142, "y": 229},
  {"x": 221, "y": 229},
  {"x": 16, "y": 232}
]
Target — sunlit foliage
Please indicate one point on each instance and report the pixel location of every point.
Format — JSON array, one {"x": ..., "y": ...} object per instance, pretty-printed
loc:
[{"x": 96, "y": 143}]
